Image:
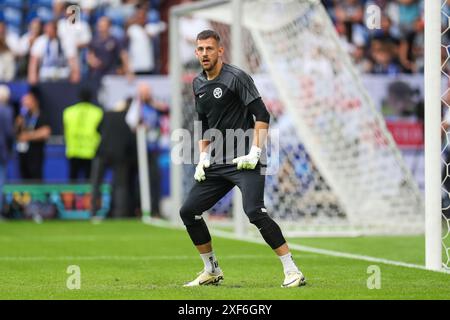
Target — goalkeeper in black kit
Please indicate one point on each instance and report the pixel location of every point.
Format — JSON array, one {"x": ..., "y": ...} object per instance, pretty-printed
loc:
[{"x": 227, "y": 102}]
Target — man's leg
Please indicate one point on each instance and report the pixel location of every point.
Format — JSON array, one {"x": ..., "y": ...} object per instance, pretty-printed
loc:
[
  {"x": 98, "y": 170},
  {"x": 87, "y": 168},
  {"x": 2, "y": 183},
  {"x": 155, "y": 182},
  {"x": 251, "y": 184},
  {"x": 203, "y": 196},
  {"x": 120, "y": 192},
  {"x": 36, "y": 166},
  {"x": 23, "y": 165},
  {"x": 73, "y": 169}
]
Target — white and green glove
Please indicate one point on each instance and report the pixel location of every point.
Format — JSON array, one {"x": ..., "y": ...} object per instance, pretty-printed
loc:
[
  {"x": 203, "y": 163},
  {"x": 250, "y": 160}
]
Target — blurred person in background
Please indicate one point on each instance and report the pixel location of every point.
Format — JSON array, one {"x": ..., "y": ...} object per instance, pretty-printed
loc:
[
  {"x": 117, "y": 150},
  {"x": 25, "y": 43},
  {"x": 386, "y": 32},
  {"x": 404, "y": 14},
  {"x": 7, "y": 61},
  {"x": 383, "y": 58},
  {"x": 349, "y": 11},
  {"x": 411, "y": 50},
  {"x": 106, "y": 52},
  {"x": 140, "y": 45},
  {"x": 81, "y": 122},
  {"x": 53, "y": 59},
  {"x": 147, "y": 111},
  {"x": 76, "y": 32},
  {"x": 6, "y": 137},
  {"x": 362, "y": 63},
  {"x": 32, "y": 132},
  {"x": 11, "y": 38},
  {"x": 189, "y": 28},
  {"x": 349, "y": 16}
]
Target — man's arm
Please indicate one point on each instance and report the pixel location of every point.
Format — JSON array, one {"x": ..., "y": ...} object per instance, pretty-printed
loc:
[
  {"x": 92, "y": 60},
  {"x": 33, "y": 69},
  {"x": 262, "y": 117},
  {"x": 126, "y": 64},
  {"x": 203, "y": 144},
  {"x": 40, "y": 134},
  {"x": 74, "y": 69}
]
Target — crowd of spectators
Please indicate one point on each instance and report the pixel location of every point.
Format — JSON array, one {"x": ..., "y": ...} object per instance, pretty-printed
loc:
[
  {"x": 47, "y": 40},
  {"x": 39, "y": 43},
  {"x": 392, "y": 45}
]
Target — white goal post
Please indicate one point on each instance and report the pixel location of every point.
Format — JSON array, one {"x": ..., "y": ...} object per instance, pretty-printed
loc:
[
  {"x": 433, "y": 211},
  {"x": 338, "y": 170}
]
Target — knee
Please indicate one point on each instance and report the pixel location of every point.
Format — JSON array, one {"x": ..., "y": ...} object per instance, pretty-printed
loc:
[
  {"x": 187, "y": 214},
  {"x": 269, "y": 230},
  {"x": 255, "y": 213}
]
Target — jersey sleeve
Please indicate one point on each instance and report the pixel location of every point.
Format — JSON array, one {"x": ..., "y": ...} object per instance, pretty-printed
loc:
[{"x": 244, "y": 87}]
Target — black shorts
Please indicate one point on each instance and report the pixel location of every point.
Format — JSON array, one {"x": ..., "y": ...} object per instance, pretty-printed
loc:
[{"x": 220, "y": 179}]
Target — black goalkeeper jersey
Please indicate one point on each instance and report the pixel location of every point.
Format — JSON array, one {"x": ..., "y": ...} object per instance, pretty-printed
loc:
[{"x": 221, "y": 104}]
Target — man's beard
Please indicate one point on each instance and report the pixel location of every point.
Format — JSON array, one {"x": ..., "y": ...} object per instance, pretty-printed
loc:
[{"x": 211, "y": 67}]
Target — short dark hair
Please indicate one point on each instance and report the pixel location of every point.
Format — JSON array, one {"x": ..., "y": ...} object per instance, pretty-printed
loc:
[
  {"x": 206, "y": 34},
  {"x": 85, "y": 94}
]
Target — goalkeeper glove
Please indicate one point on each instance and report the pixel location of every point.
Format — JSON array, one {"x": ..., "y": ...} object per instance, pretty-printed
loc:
[
  {"x": 250, "y": 160},
  {"x": 203, "y": 163}
]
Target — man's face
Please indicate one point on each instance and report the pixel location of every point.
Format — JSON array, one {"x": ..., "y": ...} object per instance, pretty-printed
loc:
[
  {"x": 2, "y": 30},
  {"x": 29, "y": 102},
  {"x": 50, "y": 30},
  {"x": 103, "y": 25},
  {"x": 208, "y": 53},
  {"x": 144, "y": 92}
]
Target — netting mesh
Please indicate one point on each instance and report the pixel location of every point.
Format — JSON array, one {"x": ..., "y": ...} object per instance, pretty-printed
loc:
[
  {"x": 445, "y": 151},
  {"x": 336, "y": 167}
]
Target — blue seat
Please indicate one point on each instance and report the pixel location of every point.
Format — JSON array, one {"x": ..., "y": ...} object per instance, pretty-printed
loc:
[
  {"x": 45, "y": 3},
  {"x": 12, "y": 16},
  {"x": 18, "y": 4},
  {"x": 116, "y": 16},
  {"x": 44, "y": 13},
  {"x": 30, "y": 16},
  {"x": 153, "y": 16}
]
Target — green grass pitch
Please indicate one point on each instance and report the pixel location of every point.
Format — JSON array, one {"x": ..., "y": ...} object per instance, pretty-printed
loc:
[{"x": 126, "y": 259}]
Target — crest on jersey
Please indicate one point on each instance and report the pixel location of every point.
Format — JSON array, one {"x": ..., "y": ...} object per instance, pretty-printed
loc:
[{"x": 217, "y": 93}]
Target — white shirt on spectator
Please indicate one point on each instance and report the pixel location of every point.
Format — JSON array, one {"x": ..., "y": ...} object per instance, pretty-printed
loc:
[
  {"x": 7, "y": 66},
  {"x": 43, "y": 48},
  {"x": 12, "y": 41},
  {"x": 24, "y": 44},
  {"x": 79, "y": 33},
  {"x": 140, "y": 49},
  {"x": 190, "y": 28}
]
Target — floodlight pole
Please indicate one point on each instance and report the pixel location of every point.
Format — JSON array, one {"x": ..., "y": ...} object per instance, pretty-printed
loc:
[{"x": 433, "y": 210}]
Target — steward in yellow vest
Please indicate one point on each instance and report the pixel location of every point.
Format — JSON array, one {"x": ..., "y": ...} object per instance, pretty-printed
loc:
[{"x": 81, "y": 122}]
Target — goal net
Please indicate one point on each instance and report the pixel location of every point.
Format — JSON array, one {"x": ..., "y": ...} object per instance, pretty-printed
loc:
[
  {"x": 333, "y": 166},
  {"x": 445, "y": 150}
]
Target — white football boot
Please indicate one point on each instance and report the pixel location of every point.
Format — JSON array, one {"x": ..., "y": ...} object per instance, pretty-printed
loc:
[
  {"x": 294, "y": 279},
  {"x": 205, "y": 278}
]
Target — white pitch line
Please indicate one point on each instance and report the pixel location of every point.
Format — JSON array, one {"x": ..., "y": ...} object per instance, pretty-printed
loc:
[
  {"x": 332, "y": 253},
  {"x": 122, "y": 258},
  {"x": 338, "y": 254}
]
